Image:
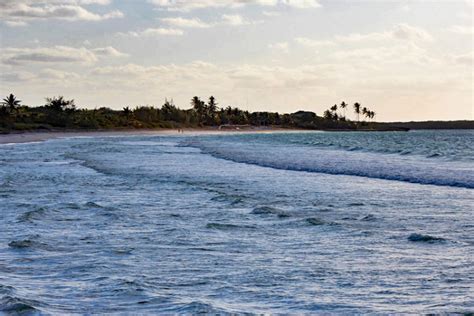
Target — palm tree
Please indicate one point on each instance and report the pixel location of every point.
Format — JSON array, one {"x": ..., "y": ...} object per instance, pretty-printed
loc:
[
  {"x": 357, "y": 110},
  {"x": 343, "y": 106},
  {"x": 211, "y": 109},
  {"x": 11, "y": 102},
  {"x": 328, "y": 115},
  {"x": 365, "y": 112},
  {"x": 197, "y": 104},
  {"x": 60, "y": 103},
  {"x": 200, "y": 107},
  {"x": 372, "y": 114},
  {"x": 127, "y": 112},
  {"x": 334, "y": 108},
  {"x": 212, "y": 105}
]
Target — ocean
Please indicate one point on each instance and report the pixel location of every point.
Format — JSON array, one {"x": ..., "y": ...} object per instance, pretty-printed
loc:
[{"x": 285, "y": 222}]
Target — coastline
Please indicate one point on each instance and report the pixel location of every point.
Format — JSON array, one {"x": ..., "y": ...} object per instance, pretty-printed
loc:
[{"x": 39, "y": 136}]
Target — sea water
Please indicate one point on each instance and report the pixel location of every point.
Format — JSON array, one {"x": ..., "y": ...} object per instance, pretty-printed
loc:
[{"x": 302, "y": 222}]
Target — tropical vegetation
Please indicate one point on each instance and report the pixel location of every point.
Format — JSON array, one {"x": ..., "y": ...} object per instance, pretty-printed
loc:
[{"x": 62, "y": 113}]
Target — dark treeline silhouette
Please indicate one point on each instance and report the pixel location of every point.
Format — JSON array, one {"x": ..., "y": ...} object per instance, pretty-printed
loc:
[{"x": 60, "y": 113}]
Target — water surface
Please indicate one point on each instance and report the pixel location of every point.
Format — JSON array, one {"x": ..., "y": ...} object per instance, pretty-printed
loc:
[{"x": 261, "y": 223}]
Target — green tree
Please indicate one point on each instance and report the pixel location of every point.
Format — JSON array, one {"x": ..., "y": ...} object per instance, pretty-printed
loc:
[
  {"x": 61, "y": 104},
  {"x": 211, "y": 110},
  {"x": 328, "y": 115},
  {"x": 343, "y": 106},
  {"x": 126, "y": 111},
  {"x": 11, "y": 102},
  {"x": 365, "y": 112},
  {"x": 372, "y": 115},
  {"x": 357, "y": 110},
  {"x": 200, "y": 108}
]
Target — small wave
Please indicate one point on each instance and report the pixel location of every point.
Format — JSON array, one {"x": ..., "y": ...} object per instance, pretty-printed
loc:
[
  {"x": 220, "y": 226},
  {"x": 356, "y": 204},
  {"x": 123, "y": 251},
  {"x": 268, "y": 210},
  {"x": 25, "y": 243},
  {"x": 32, "y": 215},
  {"x": 314, "y": 221},
  {"x": 17, "y": 306},
  {"x": 354, "y": 148},
  {"x": 337, "y": 162},
  {"x": 93, "y": 205},
  {"x": 231, "y": 199},
  {"x": 433, "y": 155},
  {"x": 195, "y": 307},
  {"x": 28, "y": 243},
  {"x": 6, "y": 289},
  {"x": 368, "y": 218},
  {"x": 415, "y": 237}
]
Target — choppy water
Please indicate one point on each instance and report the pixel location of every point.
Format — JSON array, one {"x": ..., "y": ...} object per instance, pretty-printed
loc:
[{"x": 267, "y": 223}]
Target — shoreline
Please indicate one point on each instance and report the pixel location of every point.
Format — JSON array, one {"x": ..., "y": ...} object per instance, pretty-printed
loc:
[{"x": 40, "y": 136}]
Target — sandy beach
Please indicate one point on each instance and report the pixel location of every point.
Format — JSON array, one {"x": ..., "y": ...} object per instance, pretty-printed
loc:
[{"x": 37, "y": 136}]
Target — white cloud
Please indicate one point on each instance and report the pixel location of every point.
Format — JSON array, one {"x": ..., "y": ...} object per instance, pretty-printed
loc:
[
  {"x": 56, "y": 74},
  {"x": 152, "y": 32},
  {"x": 108, "y": 51},
  {"x": 464, "y": 59},
  {"x": 302, "y": 4},
  {"x": 461, "y": 29},
  {"x": 271, "y": 13},
  {"x": 280, "y": 47},
  {"x": 213, "y": 75},
  {"x": 411, "y": 33},
  {"x": 400, "y": 32},
  {"x": 57, "y": 54},
  {"x": 236, "y": 20},
  {"x": 15, "y": 13},
  {"x": 188, "y": 5},
  {"x": 313, "y": 43},
  {"x": 15, "y": 23},
  {"x": 226, "y": 19},
  {"x": 186, "y": 23},
  {"x": 17, "y": 76}
]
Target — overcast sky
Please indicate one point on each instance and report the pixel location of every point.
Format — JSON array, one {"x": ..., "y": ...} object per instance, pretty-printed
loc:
[{"x": 405, "y": 59}]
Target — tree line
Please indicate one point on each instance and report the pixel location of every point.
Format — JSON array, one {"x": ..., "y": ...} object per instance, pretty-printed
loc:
[
  {"x": 332, "y": 113},
  {"x": 61, "y": 113}
]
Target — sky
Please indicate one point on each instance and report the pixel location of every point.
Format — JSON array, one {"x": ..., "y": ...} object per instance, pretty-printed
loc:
[{"x": 404, "y": 59}]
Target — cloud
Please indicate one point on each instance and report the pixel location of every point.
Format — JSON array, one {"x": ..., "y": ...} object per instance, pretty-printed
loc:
[
  {"x": 18, "y": 76},
  {"x": 56, "y": 74},
  {"x": 465, "y": 59},
  {"x": 188, "y": 5},
  {"x": 271, "y": 13},
  {"x": 57, "y": 54},
  {"x": 15, "y": 13},
  {"x": 226, "y": 19},
  {"x": 236, "y": 20},
  {"x": 203, "y": 75},
  {"x": 186, "y": 23},
  {"x": 313, "y": 43},
  {"x": 108, "y": 51},
  {"x": 280, "y": 47},
  {"x": 152, "y": 32},
  {"x": 15, "y": 23},
  {"x": 400, "y": 32},
  {"x": 302, "y": 4},
  {"x": 461, "y": 29},
  {"x": 411, "y": 33}
]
